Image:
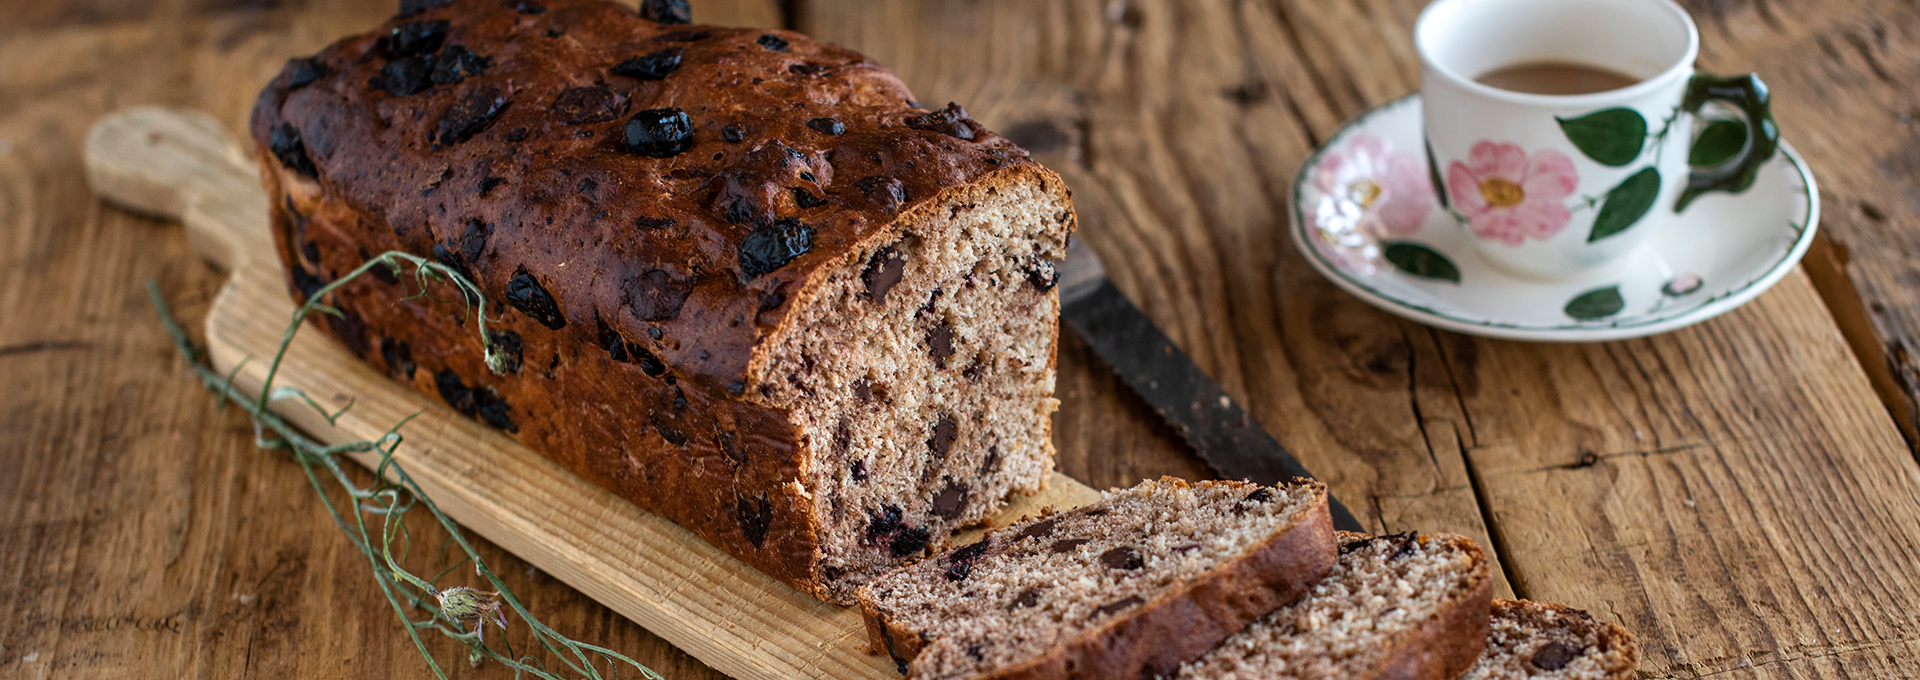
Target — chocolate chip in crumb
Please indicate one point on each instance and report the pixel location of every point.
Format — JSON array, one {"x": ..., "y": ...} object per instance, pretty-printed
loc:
[
  {"x": 754, "y": 517},
  {"x": 1042, "y": 274},
  {"x": 1260, "y": 495},
  {"x": 656, "y": 65},
  {"x": 859, "y": 471},
  {"x": 1553, "y": 656},
  {"x": 1122, "y": 558},
  {"x": 587, "y": 105},
  {"x": 830, "y": 126},
  {"x": 304, "y": 72},
  {"x": 416, "y": 38},
  {"x": 884, "y": 522},
  {"x": 884, "y": 270},
  {"x": 863, "y": 391},
  {"x": 659, "y": 133},
  {"x": 286, "y": 146},
  {"x": 951, "y": 502},
  {"x": 940, "y": 344},
  {"x": 1026, "y": 598},
  {"x": 945, "y": 431},
  {"x": 1068, "y": 545},
  {"x": 772, "y": 42},
  {"x": 909, "y": 542},
  {"x": 1040, "y": 529},
  {"x": 666, "y": 11},
  {"x": 992, "y": 461},
  {"x": 1119, "y": 606},
  {"x": 772, "y": 246},
  {"x": 470, "y": 115},
  {"x": 526, "y": 294}
]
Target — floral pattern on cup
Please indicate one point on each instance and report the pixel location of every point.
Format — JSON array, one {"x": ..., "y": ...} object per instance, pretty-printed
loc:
[
  {"x": 1367, "y": 194},
  {"x": 1682, "y": 285},
  {"x": 1507, "y": 196}
]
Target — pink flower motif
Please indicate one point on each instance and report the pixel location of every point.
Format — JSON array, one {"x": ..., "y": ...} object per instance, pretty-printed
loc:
[
  {"x": 1385, "y": 185},
  {"x": 1509, "y": 197},
  {"x": 1366, "y": 194}
]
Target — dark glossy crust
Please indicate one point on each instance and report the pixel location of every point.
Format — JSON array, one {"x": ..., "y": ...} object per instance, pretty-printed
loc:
[
  {"x": 565, "y": 213},
  {"x": 1451, "y": 641},
  {"x": 1176, "y": 627}
]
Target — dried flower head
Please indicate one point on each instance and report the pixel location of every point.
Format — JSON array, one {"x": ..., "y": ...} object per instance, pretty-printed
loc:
[{"x": 472, "y": 607}]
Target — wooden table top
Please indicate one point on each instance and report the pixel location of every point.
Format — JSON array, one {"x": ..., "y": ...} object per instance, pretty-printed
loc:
[{"x": 1741, "y": 494}]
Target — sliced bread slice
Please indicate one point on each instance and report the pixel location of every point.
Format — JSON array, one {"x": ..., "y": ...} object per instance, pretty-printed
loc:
[
  {"x": 1129, "y": 586},
  {"x": 1402, "y": 606},
  {"x": 1539, "y": 641}
]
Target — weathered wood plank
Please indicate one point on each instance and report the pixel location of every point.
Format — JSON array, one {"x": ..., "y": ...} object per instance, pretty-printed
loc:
[{"x": 1733, "y": 492}]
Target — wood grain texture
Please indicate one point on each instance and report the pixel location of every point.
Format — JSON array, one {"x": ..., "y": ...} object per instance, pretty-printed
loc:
[{"x": 1734, "y": 493}]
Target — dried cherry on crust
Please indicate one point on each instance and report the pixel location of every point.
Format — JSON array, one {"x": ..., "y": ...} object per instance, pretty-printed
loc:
[
  {"x": 416, "y": 38},
  {"x": 473, "y": 241},
  {"x": 655, "y": 65},
  {"x": 666, "y": 11},
  {"x": 660, "y": 133},
  {"x": 526, "y": 294},
  {"x": 286, "y": 146},
  {"x": 656, "y": 295},
  {"x": 404, "y": 77},
  {"x": 304, "y": 72},
  {"x": 457, "y": 63},
  {"x": 772, "y": 42},
  {"x": 584, "y": 105},
  {"x": 772, "y": 246},
  {"x": 470, "y": 115},
  {"x": 952, "y": 121},
  {"x": 830, "y": 126},
  {"x": 886, "y": 193}
]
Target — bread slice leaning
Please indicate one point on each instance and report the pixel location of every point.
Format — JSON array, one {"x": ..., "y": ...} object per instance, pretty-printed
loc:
[
  {"x": 1403, "y": 607},
  {"x": 1129, "y": 586},
  {"x": 1535, "y": 640}
]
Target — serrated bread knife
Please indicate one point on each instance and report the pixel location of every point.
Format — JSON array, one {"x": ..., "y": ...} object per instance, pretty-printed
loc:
[{"x": 1219, "y": 430}]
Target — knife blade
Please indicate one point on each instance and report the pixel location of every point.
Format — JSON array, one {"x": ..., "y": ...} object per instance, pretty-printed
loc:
[{"x": 1217, "y": 429}]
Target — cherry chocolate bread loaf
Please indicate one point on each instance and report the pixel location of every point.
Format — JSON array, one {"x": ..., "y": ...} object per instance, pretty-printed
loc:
[
  {"x": 1129, "y": 586},
  {"x": 1539, "y": 641},
  {"x": 1403, "y": 607},
  {"x": 740, "y": 277}
]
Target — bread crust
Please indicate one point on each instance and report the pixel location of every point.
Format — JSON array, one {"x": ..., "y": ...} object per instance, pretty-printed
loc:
[
  {"x": 1175, "y": 627},
  {"x": 640, "y": 377}
]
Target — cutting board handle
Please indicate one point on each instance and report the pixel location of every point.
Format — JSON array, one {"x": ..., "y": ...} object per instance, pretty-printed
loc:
[{"x": 182, "y": 164}]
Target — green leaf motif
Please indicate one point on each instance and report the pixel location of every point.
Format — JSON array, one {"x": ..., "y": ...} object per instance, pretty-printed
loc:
[
  {"x": 1433, "y": 175},
  {"x": 1718, "y": 143},
  {"x": 1609, "y": 137},
  {"x": 1598, "y": 303},
  {"x": 1626, "y": 203},
  {"x": 1421, "y": 261}
]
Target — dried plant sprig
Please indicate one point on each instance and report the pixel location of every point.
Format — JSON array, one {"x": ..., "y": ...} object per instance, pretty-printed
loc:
[{"x": 460, "y": 613}]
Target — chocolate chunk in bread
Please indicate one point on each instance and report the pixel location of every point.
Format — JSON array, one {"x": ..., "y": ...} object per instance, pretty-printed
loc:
[
  {"x": 1402, "y": 606},
  {"x": 677, "y": 223},
  {"x": 1130, "y": 586},
  {"x": 1539, "y": 641}
]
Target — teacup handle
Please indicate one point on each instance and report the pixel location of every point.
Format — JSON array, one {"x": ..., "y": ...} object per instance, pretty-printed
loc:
[{"x": 1734, "y": 175}]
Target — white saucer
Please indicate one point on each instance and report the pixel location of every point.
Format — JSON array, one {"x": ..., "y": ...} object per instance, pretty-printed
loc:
[{"x": 1724, "y": 250}]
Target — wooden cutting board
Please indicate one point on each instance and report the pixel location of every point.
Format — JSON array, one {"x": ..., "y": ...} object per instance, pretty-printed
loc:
[{"x": 183, "y": 165}]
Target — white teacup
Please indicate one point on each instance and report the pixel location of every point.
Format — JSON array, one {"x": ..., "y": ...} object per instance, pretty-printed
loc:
[{"x": 1558, "y": 185}]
